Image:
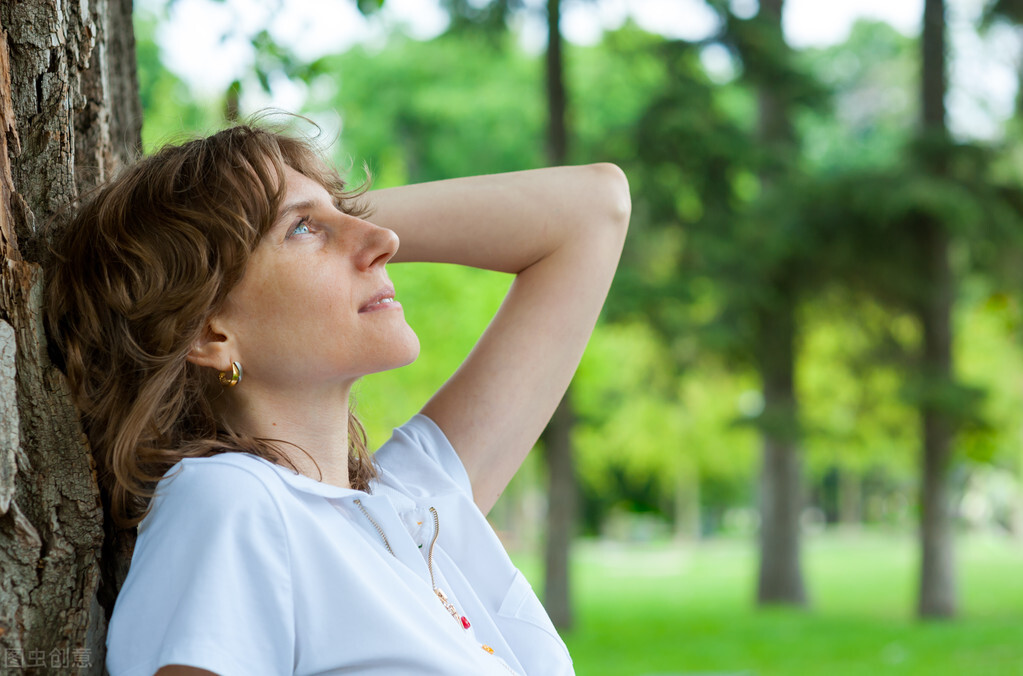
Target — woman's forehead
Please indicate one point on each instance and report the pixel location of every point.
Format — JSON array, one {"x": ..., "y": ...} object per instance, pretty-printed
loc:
[{"x": 300, "y": 188}]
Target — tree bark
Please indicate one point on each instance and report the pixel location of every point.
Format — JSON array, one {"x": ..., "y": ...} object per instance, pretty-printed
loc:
[
  {"x": 563, "y": 496},
  {"x": 780, "y": 579},
  {"x": 562, "y": 510},
  {"x": 937, "y": 575},
  {"x": 69, "y": 110}
]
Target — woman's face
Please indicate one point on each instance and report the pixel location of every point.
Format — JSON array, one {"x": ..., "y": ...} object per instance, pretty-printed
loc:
[{"x": 315, "y": 307}]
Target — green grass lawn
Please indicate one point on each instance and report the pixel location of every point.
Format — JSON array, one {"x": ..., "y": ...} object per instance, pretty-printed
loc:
[{"x": 664, "y": 609}]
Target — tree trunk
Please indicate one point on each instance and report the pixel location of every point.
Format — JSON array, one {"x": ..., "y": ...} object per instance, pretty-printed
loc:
[
  {"x": 937, "y": 575},
  {"x": 687, "y": 505},
  {"x": 1016, "y": 508},
  {"x": 70, "y": 114},
  {"x": 1018, "y": 108},
  {"x": 562, "y": 509},
  {"x": 557, "y": 99},
  {"x": 933, "y": 81},
  {"x": 563, "y": 497},
  {"x": 850, "y": 497},
  {"x": 780, "y": 578}
]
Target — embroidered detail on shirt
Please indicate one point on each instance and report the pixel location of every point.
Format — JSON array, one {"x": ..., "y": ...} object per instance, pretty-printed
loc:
[{"x": 461, "y": 619}]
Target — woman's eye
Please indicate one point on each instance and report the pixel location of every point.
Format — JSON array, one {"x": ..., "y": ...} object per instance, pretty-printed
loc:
[{"x": 302, "y": 228}]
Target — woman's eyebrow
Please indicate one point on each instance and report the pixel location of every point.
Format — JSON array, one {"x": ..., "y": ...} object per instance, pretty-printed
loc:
[{"x": 293, "y": 207}]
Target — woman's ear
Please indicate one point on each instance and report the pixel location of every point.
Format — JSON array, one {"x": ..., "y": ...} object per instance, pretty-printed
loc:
[{"x": 212, "y": 349}]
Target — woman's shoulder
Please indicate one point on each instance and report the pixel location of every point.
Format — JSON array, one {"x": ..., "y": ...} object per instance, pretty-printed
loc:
[
  {"x": 224, "y": 473},
  {"x": 420, "y": 454},
  {"x": 219, "y": 485},
  {"x": 214, "y": 534}
]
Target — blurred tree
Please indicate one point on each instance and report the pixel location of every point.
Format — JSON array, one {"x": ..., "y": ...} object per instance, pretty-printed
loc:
[
  {"x": 1008, "y": 12},
  {"x": 643, "y": 424},
  {"x": 781, "y": 489},
  {"x": 697, "y": 168},
  {"x": 489, "y": 16},
  {"x": 938, "y": 596},
  {"x": 873, "y": 111},
  {"x": 850, "y": 378},
  {"x": 888, "y": 229},
  {"x": 703, "y": 170},
  {"x": 563, "y": 494},
  {"x": 658, "y": 425},
  {"x": 855, "y": 351},
  {"x": 879, "y": 226},
  {"x": 900, "y": 217}
]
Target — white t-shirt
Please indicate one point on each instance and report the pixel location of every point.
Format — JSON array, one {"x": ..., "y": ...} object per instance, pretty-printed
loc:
[{"x": 244, "y": 567}]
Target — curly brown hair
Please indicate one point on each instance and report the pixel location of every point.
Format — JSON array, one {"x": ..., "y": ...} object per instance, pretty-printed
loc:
[{"x": 135, "y": 277}]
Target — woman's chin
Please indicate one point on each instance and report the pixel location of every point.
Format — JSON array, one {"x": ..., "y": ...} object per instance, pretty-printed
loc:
[
  {"x": 402, "y": 355},
  {"x": 411, "y": 350}
]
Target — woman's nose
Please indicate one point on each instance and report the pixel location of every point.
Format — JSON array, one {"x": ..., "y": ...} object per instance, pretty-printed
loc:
[{"x": 379, "y": 245}]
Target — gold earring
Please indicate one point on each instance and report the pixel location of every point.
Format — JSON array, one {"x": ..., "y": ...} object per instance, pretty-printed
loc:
[{"x": 233, "y": 378}]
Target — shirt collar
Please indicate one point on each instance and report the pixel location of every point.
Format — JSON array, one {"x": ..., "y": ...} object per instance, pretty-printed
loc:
[{"x": 303, "y": 483}]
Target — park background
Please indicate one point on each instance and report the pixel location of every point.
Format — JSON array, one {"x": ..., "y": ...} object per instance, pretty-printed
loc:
[{"x": 812, "y": 349}]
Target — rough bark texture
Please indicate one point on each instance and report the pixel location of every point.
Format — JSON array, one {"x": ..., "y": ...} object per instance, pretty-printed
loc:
[
  {"x": 780, "y": 579},
  {"x": 58, "y": 74},
  {"x": 937, "y": 576},
  {"x": 564, "y": 492}
]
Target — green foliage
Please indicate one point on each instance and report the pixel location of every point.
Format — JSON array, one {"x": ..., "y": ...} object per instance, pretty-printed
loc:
[
  {"x": 988, "y": 357},
  {"x": 370, "y": 6},
  {"x": 420, "y": 111},
  {"x": 767, "y": 60},
  {"x": 850, "y": 387},
  {"x": 1010, "y": 11},
  {"x": 873, "y": 107},
  {"x": 170, "y": 112},
  {"x": 639, "y": 417},
  {"x": 488, "y": 17}
]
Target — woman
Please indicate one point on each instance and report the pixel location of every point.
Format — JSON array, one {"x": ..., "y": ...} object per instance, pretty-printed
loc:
[{"x": 215, "y": 305}]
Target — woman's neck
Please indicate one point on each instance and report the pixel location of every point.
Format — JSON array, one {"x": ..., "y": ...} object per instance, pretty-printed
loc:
[{"x": 313, "y": 427}]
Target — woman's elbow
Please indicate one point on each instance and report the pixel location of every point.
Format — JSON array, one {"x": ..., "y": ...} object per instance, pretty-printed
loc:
[{"x": 612, "y": 198}]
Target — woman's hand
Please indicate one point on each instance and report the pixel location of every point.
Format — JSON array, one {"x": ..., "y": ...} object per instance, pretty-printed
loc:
[{"x": 560, "y": 231}]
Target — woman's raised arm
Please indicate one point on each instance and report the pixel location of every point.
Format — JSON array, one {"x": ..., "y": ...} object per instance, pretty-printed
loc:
[{"x": 560, "y": 231}]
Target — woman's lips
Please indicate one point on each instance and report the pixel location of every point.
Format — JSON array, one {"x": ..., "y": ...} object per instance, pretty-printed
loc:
[{"x": 381, "y": 301}]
